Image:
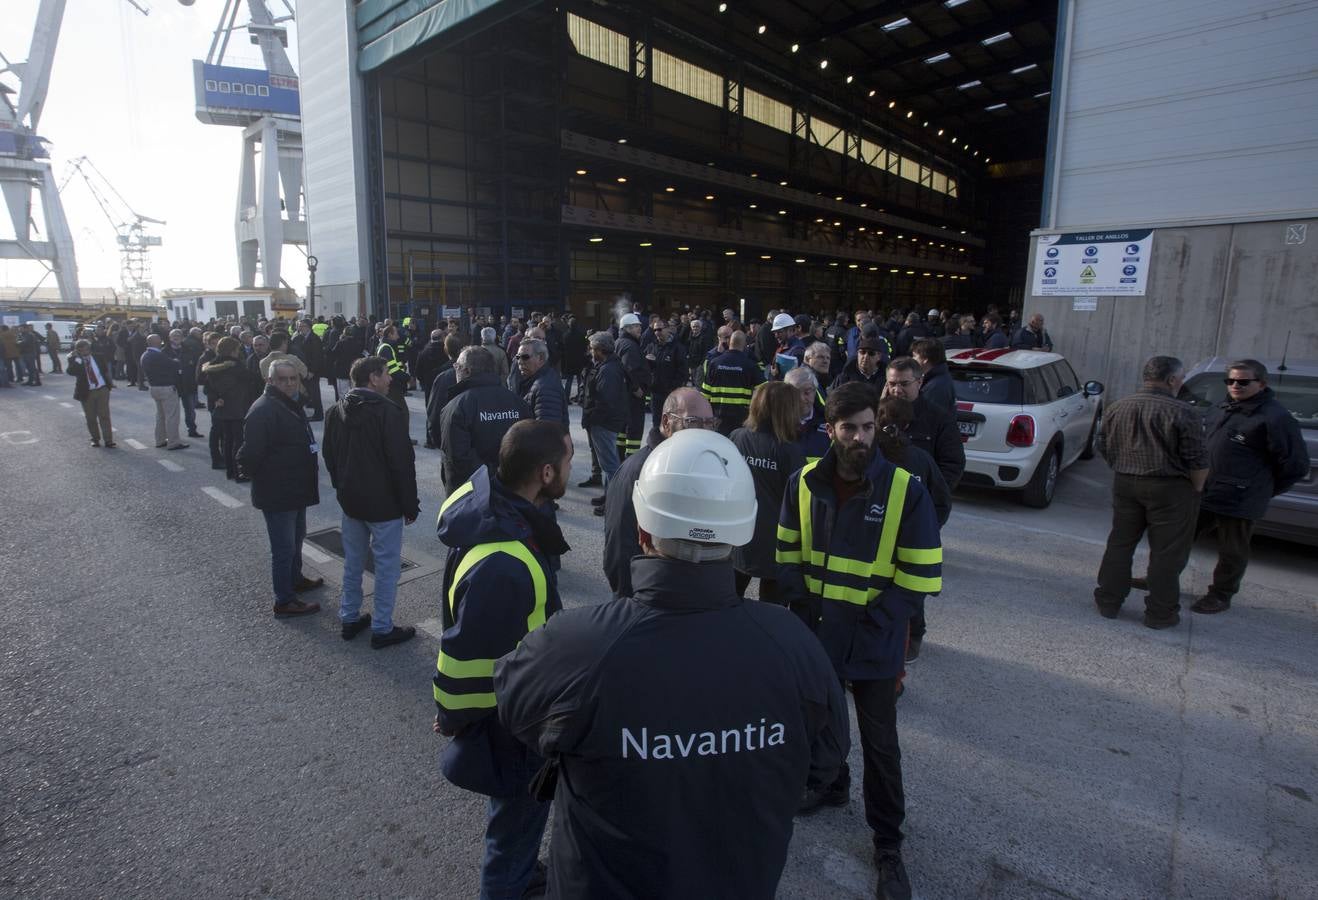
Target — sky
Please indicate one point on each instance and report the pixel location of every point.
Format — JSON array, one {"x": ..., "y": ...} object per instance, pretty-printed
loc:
[{"x": 121, "y": 94}]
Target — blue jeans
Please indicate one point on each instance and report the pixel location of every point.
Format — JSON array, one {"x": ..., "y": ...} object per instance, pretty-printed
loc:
[
  {"x": 604, "y": 442},
  {"x": 287, "y": 530},
  {"x": 385, "y": 541},
  {"x": 512, "y": 843},
  {"x": 188, "y": 398}
]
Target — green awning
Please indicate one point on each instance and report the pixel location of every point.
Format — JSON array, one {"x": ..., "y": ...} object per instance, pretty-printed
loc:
[{"x": 387, "y": 29}]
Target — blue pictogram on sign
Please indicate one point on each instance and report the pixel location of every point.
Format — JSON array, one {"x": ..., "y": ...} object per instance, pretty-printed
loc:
[
  {"x": 1132, "y": 248},
  {"x": 1091, "y": 251},
  {"x": 1052, "y": 252},
  {"x": 1128, "y": 270},
  {"x": 1049, "y": 272}
]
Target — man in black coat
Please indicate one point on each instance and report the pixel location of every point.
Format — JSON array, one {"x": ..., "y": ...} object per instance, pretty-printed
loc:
[
  {"x": 279, "y": 455},
  {"x": 539, "y": 382},
  {"x": 576, "y": 357},
  {"x": 604, "y": 413},
  {"x": 372, "y": 466},
  {"x": 667, "y": 360},
  {"x": 308, "y": 347},
  {"x": 1255, "y": 452},
  {"x": 430, "y": 361},
  {"x": 474, "y": 422},
  {"x": 935, "y": 380}
]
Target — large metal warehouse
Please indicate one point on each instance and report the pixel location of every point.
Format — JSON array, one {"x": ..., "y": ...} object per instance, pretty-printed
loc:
[{"x": 511, "y": 155}]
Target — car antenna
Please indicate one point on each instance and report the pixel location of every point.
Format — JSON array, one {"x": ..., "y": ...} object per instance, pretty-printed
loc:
[{"x": 1285, "y": 350}]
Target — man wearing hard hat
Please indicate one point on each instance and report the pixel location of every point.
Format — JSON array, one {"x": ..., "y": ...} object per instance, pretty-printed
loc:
[
  {"x": 640, "y": 380},
  {"x": 680, "y": 724}
]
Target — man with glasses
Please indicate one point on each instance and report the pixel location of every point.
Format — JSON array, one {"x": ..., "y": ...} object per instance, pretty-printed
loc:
[
  {"x": 1155, "y": 446},
  {"x": 539, "y": 383},
  {"x": 866, "y": 366},
  {"x": 1255, "y": 452},
  {"x": 685, "y": 408}
]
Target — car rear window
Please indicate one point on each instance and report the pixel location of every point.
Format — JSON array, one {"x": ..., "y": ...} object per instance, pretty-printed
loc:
[
  {"x": 987, "y": 385},
  {"x": 1298, "y": 393}
]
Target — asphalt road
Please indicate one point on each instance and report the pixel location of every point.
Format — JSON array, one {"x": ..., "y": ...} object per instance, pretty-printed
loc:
[{"x": 161, "y": 735}]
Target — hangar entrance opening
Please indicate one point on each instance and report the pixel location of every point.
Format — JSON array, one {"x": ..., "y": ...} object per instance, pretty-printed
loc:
[{"x": 573, "y": 156}]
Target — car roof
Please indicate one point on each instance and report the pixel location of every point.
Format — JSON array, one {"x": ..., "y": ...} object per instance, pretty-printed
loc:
[
  {"x": 1307, "y": 367},
  {"x": 1004, "y": 358}
]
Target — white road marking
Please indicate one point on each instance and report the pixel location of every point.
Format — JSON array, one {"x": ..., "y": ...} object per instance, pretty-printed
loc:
[
  {"x": 50, "y": 396},
  {"x": 171, "y": 466},
  {"x": 222, "y": 498},
  {"x": 12, "y": 437},
  {"x": 135, "y": 444},
  {"x": 1019, "y": 527},
  {"x": 432, "y": 627},
  {"x": 312, "y": 552},
  {"x": 66, "y": 404}
]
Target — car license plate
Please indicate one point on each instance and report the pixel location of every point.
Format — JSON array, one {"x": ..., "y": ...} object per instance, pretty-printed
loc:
[{"x": 967, "y": 429}]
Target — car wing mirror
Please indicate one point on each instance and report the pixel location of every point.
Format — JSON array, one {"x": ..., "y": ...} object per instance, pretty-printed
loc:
[{"x": 1093, "y": 388}]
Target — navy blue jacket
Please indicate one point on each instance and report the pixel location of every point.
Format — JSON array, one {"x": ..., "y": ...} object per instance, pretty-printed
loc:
[
  {"x": 279, "y": 454},
  {"x": 620, "y": 544},
  {"x": 728, "y": 383},
  {"x": 498, "y": 586},
  {"x": 855, "y": 574},
  {"x": 684, "y": 723},
  {"x": 543, "y": 393},
  {"x": 1255, "y": 452},
  {"x": 160, "y": 369},
  {"x": 607, "y": 398},
  {"x": 936, "y": 387},
  {"x": 472, "y": 426},
  {"x": 851, "y": 372}
]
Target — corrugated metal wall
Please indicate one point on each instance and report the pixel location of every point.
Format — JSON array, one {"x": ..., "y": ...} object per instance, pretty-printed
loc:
[
  {"x": 1184, "y": 112},
  {"x": 334, "y": 145}
]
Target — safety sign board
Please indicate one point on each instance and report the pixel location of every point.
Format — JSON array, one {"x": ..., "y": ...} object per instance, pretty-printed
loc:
[{"x": 1105, "y": 263}]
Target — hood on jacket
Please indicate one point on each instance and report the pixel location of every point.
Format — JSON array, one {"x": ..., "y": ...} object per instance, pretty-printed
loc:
[
  {"x": 360, "y": 407},
  {"x": 484, "y": 379},
  {"x": 483, "y": 511},
  {"x": 219, "y": 365}
]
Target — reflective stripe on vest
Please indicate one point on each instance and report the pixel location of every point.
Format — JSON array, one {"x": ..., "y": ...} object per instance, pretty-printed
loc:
[
  {"x": 457, "y": 669},
  {"x": 391, "y": 363},
  {"x": 727, "y": 396},
  {"x": 884, "y": 563}
]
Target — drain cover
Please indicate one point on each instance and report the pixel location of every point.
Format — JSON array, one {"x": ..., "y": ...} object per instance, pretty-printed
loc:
[{"x": 331, "y": 541}]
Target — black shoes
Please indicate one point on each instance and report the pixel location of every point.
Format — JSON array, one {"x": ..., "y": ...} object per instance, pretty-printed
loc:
[
  {"x": 592, "y": 481},
  {"x": 1107, "y": 610},
  {"x": 913, "y": 649},
  {"x": 110, "y": 445},
  {"x": 1158, "y": 624},
  {"x": 599, "y": 511},
  {"x": 194, "y": 433},
  {"x": 893, "y": 883},
  {"x": 1210, "y": 604},
  {"x": 815, "y": 799},
  {"x": 397, "y": 636},
  {"x": 351, "y": 629}
]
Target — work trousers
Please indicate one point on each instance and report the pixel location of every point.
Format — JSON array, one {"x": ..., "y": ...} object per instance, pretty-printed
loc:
[
  {"x": 657, "y": 402},
  {"x": 167, "y": 407},
  {"x": 604, "y": 443},
  {"x": 512, "y": 843},
  {"x": 885, "y": 799},
  {"x": 1233, "y": 537},
  {"x": 230, "y": 438},
  {"x": 130, "y": 367},
  {"x": 188, "y": 398},
  {"x": 629, "y": 441},
  {"x": 96, "y": 409},
  {"x": 1165, "y": 508}
]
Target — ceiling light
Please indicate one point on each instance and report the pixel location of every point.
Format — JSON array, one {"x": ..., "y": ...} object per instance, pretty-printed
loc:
[
  {"x": 891, "y": 104},
  {"x": 621, "y": 180},
  {"x": 997, "y": 38},
  {"x": 874, "y": 268},
  {"x": 910, "y": 271},
  {"x": 850, "y": 78},
  {"x": 893, "y": 271},
  {"x": 722, "y": 7},
  {"x": 861, "y": 228},
  {"x": 976, "y": 153},
  {"x": 995, "y": 106},
  {"x": 952, "y": 4},
  {"x": 646, "y": 244},
  {"x": 873, "y": 92},
  {"x": 863, "y": 205},
  {"x": 909, "y": 113},
  {"x": 938, "y": 57},
  {"x": 926, "y": 125},
  {"x": 941, "y": 275},
  {"x": 762, "y": 29},
  {"x": 832, "y": 264},
  {"x": 800, "y": 259},
  {"x": 968, "y": 85},
  {"x": 782, "y": 184},
  {"x": 755, "y": 206},
  {"x": 986, "y": 159},
  {"x": 796, "y": 47},
  {"x": 901, "y": 237},
  {"x": 897, "y": 23},
  {"x": 823, "y": 64},
  {"x": 595, "y": 239},
  {"x": 622, "y": 140},
  {"x": 954, "y": 140},
  {"x": 669, "y": 189},
  {"x": 940, "y": 132},
  {"x": 755, "y": 174},
  {"x": 765, "y": 256},
  {"x": 581, "y": 171},
  {"x": 1042, "y": 94},
  {"x": 960, "y": 249},
  {"x": 729, "y": 252},
  {"x": 1021, "y": 69},
  {"x": 853, "y": 265},
  {"x": 684, "y": 248},
  {"x": 838, "y": 197},
  {"x": 837, "y": 224},
  {"x": 926, "y": 274},
  {"x": 709, "y": 196},
  {"x": 782, "y": 212},
  {"x": 880, "y": 231}
]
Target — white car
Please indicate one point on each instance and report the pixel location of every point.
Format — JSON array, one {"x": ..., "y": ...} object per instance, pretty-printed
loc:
[{"x": 1023, "y": 417}]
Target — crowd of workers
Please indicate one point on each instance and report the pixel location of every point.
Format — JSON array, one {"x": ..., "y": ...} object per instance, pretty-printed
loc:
[{"x": 816, "y": 457}]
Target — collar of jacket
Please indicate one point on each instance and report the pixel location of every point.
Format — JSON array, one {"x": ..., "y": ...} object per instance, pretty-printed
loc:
[
  {"x": 935, "y": 371},
  {"x": 819, "y": 480},
  {"x": 484, "y": 379},
  {"x": 545, "y": 533},
  {"x": 1249, "y": 406},
  {"x": 293, "y": 406},
  {"x": 1156, "y": 391},
  {"x": 680, "y": 585}
]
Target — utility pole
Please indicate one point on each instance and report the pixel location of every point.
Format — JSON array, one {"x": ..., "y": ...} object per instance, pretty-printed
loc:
[{"x": 311, "y": 289}]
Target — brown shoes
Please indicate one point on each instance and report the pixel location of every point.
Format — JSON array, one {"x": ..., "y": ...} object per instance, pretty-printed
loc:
[
  {"x": 308, "y": 584},
  {"x": 295, "y": 608}
]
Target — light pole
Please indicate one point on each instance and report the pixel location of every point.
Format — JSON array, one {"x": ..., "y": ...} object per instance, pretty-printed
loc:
[{"x": 311, "y": 289}]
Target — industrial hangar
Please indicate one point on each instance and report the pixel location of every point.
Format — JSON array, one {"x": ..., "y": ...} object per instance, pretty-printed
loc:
[{"x": 515, "y": 155}]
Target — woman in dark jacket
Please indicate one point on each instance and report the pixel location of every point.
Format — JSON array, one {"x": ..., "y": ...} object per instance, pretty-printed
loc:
[
  {"x": 768, "y": 442},
  {"x": 230, "y": 391},
  {"x": 894, "y": 417}
]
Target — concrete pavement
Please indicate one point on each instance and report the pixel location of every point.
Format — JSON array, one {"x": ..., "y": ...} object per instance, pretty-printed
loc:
[{"x": 161, "y": 735}]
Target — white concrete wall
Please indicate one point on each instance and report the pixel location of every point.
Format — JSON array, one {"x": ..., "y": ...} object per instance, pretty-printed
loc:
[
  {"x": 1184, "y": 112},
  {"x": 334, "y": 142}
]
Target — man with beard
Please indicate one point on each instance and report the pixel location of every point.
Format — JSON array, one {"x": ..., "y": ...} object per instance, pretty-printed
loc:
[
  {"x": 876, "y": 526},
  {"x": 498, "y": 587}
]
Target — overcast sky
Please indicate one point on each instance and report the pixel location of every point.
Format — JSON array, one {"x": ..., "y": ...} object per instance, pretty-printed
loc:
[{"x": 121, "y": 94}]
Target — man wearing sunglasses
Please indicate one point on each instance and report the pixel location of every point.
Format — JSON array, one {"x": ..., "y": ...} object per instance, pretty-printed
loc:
[{"x": 1255, "y": 452}]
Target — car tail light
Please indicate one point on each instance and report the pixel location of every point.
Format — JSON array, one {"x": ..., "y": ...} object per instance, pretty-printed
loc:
[{"x": 1020, "y": 433}]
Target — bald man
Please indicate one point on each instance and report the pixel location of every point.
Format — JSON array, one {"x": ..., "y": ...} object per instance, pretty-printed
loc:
[
  {"x": 729, "y": 380},
  {"x": 685, "y": 407}
]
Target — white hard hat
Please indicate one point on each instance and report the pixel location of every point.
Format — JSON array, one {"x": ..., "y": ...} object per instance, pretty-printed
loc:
[
  {"x": 932, "y": 314},
  {"x": 783, "y": 320},
  {"x": 696, "y": 486},
  {"x": 628, "y": 320}
]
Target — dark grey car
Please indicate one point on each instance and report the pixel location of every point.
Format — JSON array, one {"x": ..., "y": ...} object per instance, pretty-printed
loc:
[{"x": 1293, "y": 516}]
